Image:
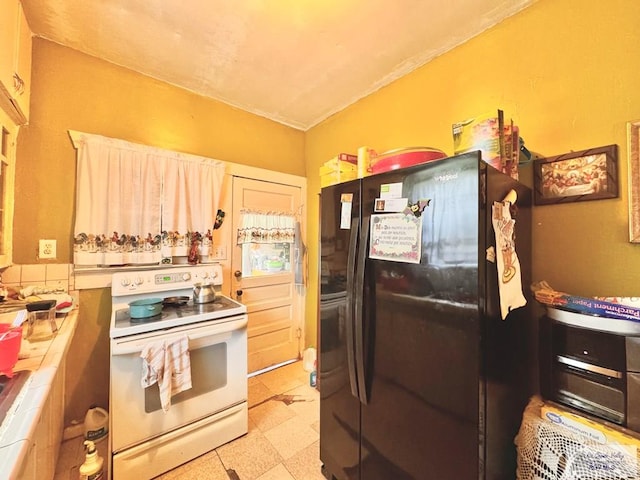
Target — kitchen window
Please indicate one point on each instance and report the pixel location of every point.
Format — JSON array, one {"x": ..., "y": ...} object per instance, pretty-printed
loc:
[
  {"x": 266, "y": 239},
  {"x": 139, "y": 205}
]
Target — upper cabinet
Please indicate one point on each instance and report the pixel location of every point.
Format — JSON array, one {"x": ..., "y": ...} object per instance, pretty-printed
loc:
[
  {"x": 8, "y": 136},
  {"x": 15, "y": 61},
  {"x": 8, "y": 36}
]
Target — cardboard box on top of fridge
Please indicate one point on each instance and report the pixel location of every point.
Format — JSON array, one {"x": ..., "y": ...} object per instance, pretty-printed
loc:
[
  {"x": 497, "y": 139},
  {"x": 344, "y": 162},
  {"x": 484, "y": 132},
  {"x": 336, "y": 177},
  {"x": 341, "y": 168}
]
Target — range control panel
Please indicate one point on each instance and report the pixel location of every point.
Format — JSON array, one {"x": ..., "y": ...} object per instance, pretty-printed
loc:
[{"x": 160, "y": 280}]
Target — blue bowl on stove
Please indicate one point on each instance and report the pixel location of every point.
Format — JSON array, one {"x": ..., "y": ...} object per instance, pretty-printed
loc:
[{"x": 145, "y": 308}]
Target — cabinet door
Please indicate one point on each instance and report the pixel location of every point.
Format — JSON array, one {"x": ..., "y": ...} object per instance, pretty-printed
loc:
[
  {"x": 56, "y": 425},
  {"x": 28, "y": 470},
  {"x": 15, "y": 61},
  {"x": 22, "y": 84},
  {"x": 40, "y": 463},
  {"x": 43, "y": 462},
  {"x": 8, "y": 136},
  {"x": 8, "y": 36}
]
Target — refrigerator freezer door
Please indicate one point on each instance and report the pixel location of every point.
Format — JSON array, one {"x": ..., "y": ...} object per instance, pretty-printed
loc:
[{"x": 337, "y": 382}]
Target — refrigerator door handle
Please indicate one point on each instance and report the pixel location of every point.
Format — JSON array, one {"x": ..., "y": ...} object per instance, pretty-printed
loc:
[
  {"x": 351, "y": 260},
  {"x": 359, "y": 312}
]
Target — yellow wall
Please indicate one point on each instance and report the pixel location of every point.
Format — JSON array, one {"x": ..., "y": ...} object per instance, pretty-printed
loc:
[
  {"x": 73, "y": 91},
  {"x": 567, "y": 72}
]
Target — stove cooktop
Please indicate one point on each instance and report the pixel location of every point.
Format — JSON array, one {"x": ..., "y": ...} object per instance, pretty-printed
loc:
[{"x": 223, "y": 308}]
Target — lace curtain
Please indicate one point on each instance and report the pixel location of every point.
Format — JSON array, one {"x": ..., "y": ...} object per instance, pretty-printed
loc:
[
  {"x": 257, "y": 227},
  {"x": 191, "y": 194},
  {"x": 137, "y": 204}
]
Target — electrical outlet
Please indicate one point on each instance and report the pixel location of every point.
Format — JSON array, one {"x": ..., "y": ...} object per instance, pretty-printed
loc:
[
  {"x": 220, "y": 252},
  {"x": 47, "y": 249}
]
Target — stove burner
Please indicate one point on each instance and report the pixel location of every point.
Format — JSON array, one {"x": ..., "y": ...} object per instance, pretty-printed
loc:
[
  {"x": 175, "y": 301},
  {"x": 153, "y": 318},
  {"x": 174, "y": 312},
  {"x": 174, "y": 286}
]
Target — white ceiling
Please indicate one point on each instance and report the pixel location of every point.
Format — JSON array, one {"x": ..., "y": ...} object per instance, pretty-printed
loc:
[{"x": 293, "y": 61}]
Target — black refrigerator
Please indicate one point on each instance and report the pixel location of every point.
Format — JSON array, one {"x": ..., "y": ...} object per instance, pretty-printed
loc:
[{"x": 421, "y": 375}]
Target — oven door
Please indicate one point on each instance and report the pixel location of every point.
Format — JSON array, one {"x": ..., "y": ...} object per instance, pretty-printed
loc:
[{"x": 218, "y": 357}]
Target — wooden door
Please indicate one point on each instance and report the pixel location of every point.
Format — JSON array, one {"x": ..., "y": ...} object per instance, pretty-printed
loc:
[{"x": 272, "y": 300}]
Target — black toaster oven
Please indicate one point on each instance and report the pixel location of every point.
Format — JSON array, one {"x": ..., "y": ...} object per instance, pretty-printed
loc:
[{"x": 592, "y": 364}]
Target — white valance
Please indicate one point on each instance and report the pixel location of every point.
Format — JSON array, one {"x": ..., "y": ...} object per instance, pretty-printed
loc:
[
  {"x": 137, "y": 204},
  {"x": 258, "y": 227}
]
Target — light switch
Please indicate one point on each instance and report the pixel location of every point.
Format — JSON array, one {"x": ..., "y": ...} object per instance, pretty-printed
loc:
[
  {"x": 219, "y": 252},
  {"x": 47, "y": 249}
]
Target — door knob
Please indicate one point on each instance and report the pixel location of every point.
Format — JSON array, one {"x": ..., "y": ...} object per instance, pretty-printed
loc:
[
  {"x": 238, "y": 294},
  {"x": 237, "y": 274}
]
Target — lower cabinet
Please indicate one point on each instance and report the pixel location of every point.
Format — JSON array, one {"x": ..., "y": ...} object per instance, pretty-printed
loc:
[{"x": 43, "y": 452}]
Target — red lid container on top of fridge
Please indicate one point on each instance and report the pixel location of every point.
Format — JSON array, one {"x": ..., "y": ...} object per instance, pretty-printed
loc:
[{"x": 404, "y": 157}]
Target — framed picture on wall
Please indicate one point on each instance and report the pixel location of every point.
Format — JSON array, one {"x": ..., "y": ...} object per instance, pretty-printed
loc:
[
  {"x": 576, "y": 176},
  {"x": 633, "y": 154}
]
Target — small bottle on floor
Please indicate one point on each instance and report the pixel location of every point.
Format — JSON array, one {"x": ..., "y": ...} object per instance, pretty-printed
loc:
[
  {"x": 91, "y": 469},
  {"x": 313, "y": 376}
]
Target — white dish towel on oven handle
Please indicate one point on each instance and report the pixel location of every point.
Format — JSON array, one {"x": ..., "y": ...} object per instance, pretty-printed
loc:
[{"x": 168, "y": 363}]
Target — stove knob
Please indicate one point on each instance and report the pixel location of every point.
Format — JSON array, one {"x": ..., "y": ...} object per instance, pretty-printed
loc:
[
  {"x": 139, "y": 280},
  {"x": 186, "y": 276},
  {"x": 125, "y": 282}
]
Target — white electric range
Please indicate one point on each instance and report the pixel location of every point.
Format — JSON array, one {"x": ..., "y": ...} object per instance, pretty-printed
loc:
[{"x": 145, "y": 441}]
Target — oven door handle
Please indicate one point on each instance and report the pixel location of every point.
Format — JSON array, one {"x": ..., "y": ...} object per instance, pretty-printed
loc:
[{"x": 200, "y": 338}]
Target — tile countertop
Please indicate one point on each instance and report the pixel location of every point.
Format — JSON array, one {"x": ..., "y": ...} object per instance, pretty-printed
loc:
[{"x": 18, "y": 427}]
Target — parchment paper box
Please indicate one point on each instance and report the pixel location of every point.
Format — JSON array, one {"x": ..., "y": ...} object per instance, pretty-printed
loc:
[{"x": 592, "y": 306}]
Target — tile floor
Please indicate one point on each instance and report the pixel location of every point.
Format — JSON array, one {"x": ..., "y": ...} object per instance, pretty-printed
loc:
[{"x": 282, "y": 443}]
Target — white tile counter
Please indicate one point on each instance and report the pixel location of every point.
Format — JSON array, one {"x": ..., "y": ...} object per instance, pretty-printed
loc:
[{"x": 18, "y": 429}]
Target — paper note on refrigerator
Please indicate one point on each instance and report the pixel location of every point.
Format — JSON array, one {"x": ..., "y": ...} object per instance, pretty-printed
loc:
[
  {"x": 395, "y": 237},
  {"x": 345, "y": 212},
  {"x": 390, "y": 205},
  {"x": 391, "y": 190}
]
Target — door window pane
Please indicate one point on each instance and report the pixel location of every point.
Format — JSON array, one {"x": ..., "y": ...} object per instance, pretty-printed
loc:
[{"x": 265, "y": 259}]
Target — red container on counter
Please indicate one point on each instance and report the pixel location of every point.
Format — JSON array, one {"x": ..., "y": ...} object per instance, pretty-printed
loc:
[{"x": 9, "y": 348}]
